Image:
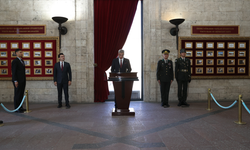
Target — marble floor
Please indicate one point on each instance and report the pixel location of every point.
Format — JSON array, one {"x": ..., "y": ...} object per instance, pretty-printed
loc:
[{"x": 91, "y": 126}]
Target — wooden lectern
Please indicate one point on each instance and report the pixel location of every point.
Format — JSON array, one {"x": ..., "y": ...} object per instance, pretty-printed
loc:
[{"x": 123, "y": 83}]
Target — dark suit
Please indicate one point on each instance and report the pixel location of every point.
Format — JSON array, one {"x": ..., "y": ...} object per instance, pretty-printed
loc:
[
  {"x": 182, "y": 75},
  {"x": 62, "y": 78},
  {"x": 125, "y": 65},
  {"x": 18, "y": 74},
  {"x": 117, "y": 68},
  {"x": 165, "y": 75}
]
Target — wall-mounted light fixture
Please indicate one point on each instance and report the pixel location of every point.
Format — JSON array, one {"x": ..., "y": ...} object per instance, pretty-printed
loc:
[
  {"x": 174, "y": 31},
  {"x": 62, "y": 30}
]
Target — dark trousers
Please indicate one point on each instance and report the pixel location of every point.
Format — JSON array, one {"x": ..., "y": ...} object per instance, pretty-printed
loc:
[
  {"x": 165, "y": 86},
  {"x": 65, "y": 88},
  {"x": 18, "y": 93},
  {"x": 182, "y": 91}
]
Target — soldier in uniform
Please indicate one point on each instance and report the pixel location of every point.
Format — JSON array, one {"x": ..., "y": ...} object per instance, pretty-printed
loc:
[
  {"x": 165, "y": 76},
  {"x": 183, "y": 76}
]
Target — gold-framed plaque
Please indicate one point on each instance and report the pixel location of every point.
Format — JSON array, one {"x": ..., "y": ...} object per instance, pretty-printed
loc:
[
  {"x": 48, "y": 62},
  {"x": 48, "y": 45},
  {"x": 241, "y": 45},
  {"x": 188, "y": 45},
  {"x": 14, "y": 45},
  {"x": 48, "y": 54},
  {"x": 220, "y": 62},
  {"x": 37, "y": 71},
  {"x": 220, "y": 53},
  {"x": 241, "y": 53},
  {"x": 3, "y": 54},
  {"x": 199, "y": 70},
  {"x": 209, "y": 70},
  {"x": 220, "y": 70},
  {"x": 3, "y": 45},
  {"x": 199, "y": 45},
  {"x": 230, "y": 70},
  {"x": 241, "y": 61},
  {"x": 210, "y": 53},
  {"x": 37, "y": 54},
  {"x": 27, "y": 71},
  {"x": 25, "y": 45},
  {"x": 241, "y": 70},
  {"x": 220, "y": 45},
  {"x": 189, "y": 53},
  {"x": 230, "y": 53},
  {"x": 210, "y": 62},
  {"x": 13, "y": 54},
  {"x": 231, "y": 62},
  {"x": 231, "y": 45},
  {"x": 37, "y": 62},
  {"x": 199, "y": 62},
  {"x": 37, "y": 45},
  {"x": 199, "y": 53},
  {"x": 26, "y": 54},
  {"x": 26, "y": 62},
  {"x": 48, "y": 71},
  {"x": 3, "y": 71},
  {"x": 210, "y": 45},
  {"x": 3, "y": 62}
]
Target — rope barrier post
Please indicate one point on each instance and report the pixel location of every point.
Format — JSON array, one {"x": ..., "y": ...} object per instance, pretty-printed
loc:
[
  {"x": 209, "y": 100},
  {"x": 240, "y": 111},
  {"x": 27, "y": 102}
]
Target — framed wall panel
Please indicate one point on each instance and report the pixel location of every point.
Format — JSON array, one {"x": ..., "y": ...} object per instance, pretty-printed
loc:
[
  {"x": 39, "y": 55},
  {"x": 221, "y": 57}
]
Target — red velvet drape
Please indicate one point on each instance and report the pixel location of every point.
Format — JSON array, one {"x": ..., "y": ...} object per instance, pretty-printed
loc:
[{"x": 113, "y": 19}]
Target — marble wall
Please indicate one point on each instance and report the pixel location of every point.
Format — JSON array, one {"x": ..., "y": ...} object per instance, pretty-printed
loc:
[
  {"x": 78, "y": 43},
  {"x": 196, "y": 12}
]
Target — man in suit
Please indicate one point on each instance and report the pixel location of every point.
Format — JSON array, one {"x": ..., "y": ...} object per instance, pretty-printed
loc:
[
  {"x": 62, "y": 79},
  {"x": 165, "y": 76},
  {"x": 120, "y": 64},
  {"x": 18, "y": 79},
  {"x": 183, "y": 76}
]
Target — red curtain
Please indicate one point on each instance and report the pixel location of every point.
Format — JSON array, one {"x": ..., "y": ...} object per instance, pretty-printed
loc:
[{"x": 112, "y": 19}]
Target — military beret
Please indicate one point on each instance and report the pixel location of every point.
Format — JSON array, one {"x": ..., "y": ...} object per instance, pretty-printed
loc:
[
  {"x": 183, "y": 51},
  {"x": 165, "y": 51}
]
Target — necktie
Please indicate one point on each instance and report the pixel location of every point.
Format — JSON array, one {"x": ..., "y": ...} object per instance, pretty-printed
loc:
[
  {"x": 62, "y": 66},
  {"x": 22, "y": 62},
  {"x": 121, "y": 63}
]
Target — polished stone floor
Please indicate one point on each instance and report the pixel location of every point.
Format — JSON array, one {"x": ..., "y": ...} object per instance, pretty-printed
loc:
[{"x": 91, "y": 126}]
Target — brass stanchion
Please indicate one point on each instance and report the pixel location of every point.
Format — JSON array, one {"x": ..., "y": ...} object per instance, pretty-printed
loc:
[
  {"x": 209, "y": 100},
  {"x": 240, "y": 111},
  {"x": 27, "y": 102}
]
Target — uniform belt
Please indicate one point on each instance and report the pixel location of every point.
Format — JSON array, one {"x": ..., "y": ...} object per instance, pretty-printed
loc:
[{"x": 184, "y": 70}]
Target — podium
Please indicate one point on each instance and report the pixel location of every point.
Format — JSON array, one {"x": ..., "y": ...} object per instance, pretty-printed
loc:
[{"x": 123, "y": 83}]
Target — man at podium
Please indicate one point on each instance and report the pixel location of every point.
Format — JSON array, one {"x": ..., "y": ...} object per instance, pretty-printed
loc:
[{"x": 120, "y": 64}]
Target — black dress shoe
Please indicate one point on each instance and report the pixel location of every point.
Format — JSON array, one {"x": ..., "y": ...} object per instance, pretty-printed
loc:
[
  {"x": 67, "y": 106},
  {"x": 59, "y": 106},
  {"x": 185, "y": 104},
  {"x": 168, "y": 105},
  {"x": 19, "y": 111},
  {"x": 179, "y": 104},
  {"x": 1, "y": 122},
  {"x": 22, "y": 109}
]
